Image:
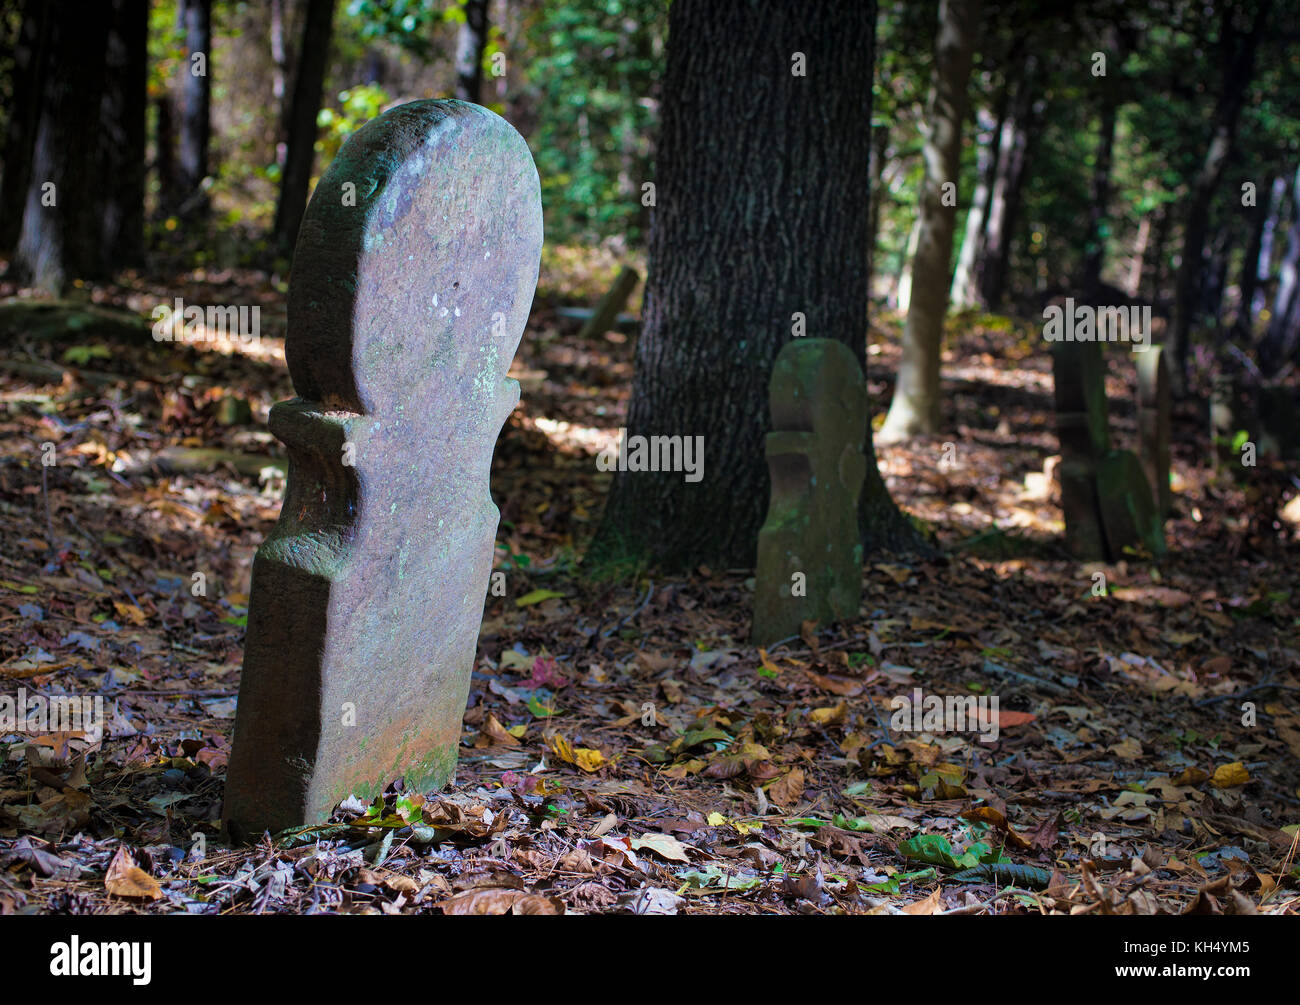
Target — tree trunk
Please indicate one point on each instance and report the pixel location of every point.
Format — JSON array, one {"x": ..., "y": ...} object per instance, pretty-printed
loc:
[
  {"x": 20, "y": 133},
  {"x": 308, "y": 85},
  {"x": 1020, "y": 131},
  {"x": 471, "y": 40},
  {"x": 1133, "y": 284},
  {"x": 196, "y": 105},
  {"x": 1118, "y": 41},
  {"x": 1240, "y": 63},
  {"x": 759, "y": 218},
  {"x": 60, "y": 235},
  {"x": 965, "y": 292},
  {"x": 1283, "y": 336},
  {"x": 914, "y": 410},
  {"x": 122, "y": 135},
  {"x": 879, "y": 146},
  {"x": 1264, "y": 260},
  {"x": 279, "y": 63}
]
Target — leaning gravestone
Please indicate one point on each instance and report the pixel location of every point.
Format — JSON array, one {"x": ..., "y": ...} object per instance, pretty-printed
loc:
[
  {"x": 412, "y": 280},
  {"x": 1153, "y": 423},
  {"x": 809, "y": 548},
  {"x": 1105, "y": 495}
]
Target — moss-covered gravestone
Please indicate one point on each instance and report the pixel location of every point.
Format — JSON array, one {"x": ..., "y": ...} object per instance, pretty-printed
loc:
[
  {"x": 1105, "y": 495},
  {"x": 412, "y": 279},
  {"x": 809, "y": 550}
]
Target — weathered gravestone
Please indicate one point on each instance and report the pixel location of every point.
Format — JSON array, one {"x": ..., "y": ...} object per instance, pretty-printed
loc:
[
  {"x": 1107, "y": 501},
  {"x": 1153, "y": 424},
  {"x": 809, "y": 549},
  {"x": 412, "y": 279}
]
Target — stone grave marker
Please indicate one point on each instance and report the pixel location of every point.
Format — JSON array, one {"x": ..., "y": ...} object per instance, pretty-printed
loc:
[
  {"x": 1153, "y": 424},
  {"x": 1105, "y": 495},
  {"x": 412, "y": 280},
  {"x": 809, "y": 549}
]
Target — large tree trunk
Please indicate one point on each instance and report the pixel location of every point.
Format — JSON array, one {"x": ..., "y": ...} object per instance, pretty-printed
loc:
[
  {"x": 122, "y": 136},
  {"x": 308, "y": 85},
  {"x": 60, "y": 235},
  {"x": 1240, "y": 63},
  {"x": 24, "y": 112},
  {"x": 759, "y": 217},
  {"x": 196, "y": 105},
  {"x": 471, "y": 40},
  {"x": 1283, "y": 337},
  {"x": 914, "y": 410}
]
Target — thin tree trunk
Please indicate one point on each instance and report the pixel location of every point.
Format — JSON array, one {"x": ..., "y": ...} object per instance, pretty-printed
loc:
[
  {"x": 1118, "y": 40},
  {"x": 122, "y": 136},
  {"x": 1283, "y": 337},
  {"x": 20, "y": 134},
  {"x": 1019, "y": 135},
  {"x": 1264, "y": 261},
  {"x": 196, "y": 106},
  {"x": 1232, "y": 95},
  {"x": 279, "y": 63},
  {"x": 307, "y": 88},
  {"x": 965, "y": 291},
  {"x": 1134, "y": 283},
  {"x": 914, "y": 409},
  {"x": 738, "y": 244},
  {"x": 471, "y": 40}
]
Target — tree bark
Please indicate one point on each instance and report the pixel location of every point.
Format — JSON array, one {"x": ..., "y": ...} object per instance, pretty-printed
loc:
[
  {"x": 60, "y": 235},
  {"x": 308, "y": 85},
  {"x": 965, "y": 291},
  {"x": 1117, "y": 43},
  {"x": 1283, "y": 337},
  {"x": 20, "y": 133},
  {"x": 122, "y": 133},
  {"x": 1240, "y": 64},
  {"x": 760, "y": 176},
  {"x": 1267, "y": 240},
  {"x": 1020, "y": 131},
  {"x": 914, "y": 410},
  {"x": 196, "y": 106},
  {"x": 471, "y": 40}
]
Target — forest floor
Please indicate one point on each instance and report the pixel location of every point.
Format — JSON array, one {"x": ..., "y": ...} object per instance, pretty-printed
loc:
[{"x": 626, "y": 748}]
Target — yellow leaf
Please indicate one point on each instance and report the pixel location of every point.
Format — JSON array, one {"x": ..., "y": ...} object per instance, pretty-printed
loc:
[
  {"x": 536, "y": 597},
  {"x": 716, "y": 819},
  {"x": 588, "y": 759},
  {"x": 132, "y": 613},
  {"x": 829, "y": 716},
  {"x": 1226, "y": 776},
  {"x": 125, "y": 879}
]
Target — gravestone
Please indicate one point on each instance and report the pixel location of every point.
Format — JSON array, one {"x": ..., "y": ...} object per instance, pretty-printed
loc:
[
  {"x": 1083, "y": 429},
  {"x": 412, "y": 280},
  {"x": 611, "y": 304},
  {"x": 1105, "y": 495},
  {"x": 809, "y": 549},
  {"x": 1153, "y": 424}
]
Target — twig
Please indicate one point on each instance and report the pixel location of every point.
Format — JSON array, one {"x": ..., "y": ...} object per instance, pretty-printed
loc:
[{"x": 633, "y": 613}]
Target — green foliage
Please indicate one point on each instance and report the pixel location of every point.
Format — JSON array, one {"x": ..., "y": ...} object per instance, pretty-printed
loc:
[
  {"x": 357, "y": 106},
  {"x": 596, "y": 76}
]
